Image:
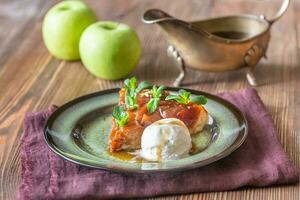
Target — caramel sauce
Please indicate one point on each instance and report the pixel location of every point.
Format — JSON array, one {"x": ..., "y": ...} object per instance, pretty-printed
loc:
[
  {"x": 125, "y": 156},
  {"x": 194, "y": 149}
]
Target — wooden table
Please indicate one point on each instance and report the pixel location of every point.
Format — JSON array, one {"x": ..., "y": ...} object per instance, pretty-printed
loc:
[{"x": 31, "y": 79}]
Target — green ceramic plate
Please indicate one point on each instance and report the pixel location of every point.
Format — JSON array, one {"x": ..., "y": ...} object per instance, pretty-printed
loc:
[{"x": 78, "y": 131}]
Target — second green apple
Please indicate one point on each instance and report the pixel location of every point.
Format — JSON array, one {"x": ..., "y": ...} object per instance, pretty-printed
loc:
[{"x": 109, "y": 50}]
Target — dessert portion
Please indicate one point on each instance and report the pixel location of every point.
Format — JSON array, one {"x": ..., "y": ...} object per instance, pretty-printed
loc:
[
  {"x": 144, "y": 105},
  {"x": 166, "y": 139}
]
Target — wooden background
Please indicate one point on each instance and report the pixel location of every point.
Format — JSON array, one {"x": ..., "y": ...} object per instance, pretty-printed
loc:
[{"x": 31, "y": 79}]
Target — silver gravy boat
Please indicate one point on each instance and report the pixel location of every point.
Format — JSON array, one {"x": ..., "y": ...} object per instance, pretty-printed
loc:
[{"x": 216, "y": 44}]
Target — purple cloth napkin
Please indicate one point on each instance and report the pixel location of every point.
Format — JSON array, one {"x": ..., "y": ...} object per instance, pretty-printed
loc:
[{"x": 260, "y": 161}]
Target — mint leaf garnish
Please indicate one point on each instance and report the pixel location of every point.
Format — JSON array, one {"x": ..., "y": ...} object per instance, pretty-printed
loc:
[
  {"x": 183, "y": 97},
  {"x": 120, "y": 115}
]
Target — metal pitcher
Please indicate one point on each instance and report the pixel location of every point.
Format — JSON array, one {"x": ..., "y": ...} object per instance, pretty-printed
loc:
[{"x": 216, "y": 44}]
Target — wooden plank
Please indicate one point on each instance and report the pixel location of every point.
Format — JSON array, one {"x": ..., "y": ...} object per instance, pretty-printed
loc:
[
  {"x": 17, "y": 19},
  {"x": 31, "y": 79}
]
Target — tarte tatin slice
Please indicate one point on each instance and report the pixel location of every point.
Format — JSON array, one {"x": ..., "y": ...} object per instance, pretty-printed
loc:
[{"x": 127, "y": 136}]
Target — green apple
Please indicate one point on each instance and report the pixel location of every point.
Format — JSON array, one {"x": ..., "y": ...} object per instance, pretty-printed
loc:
[
  {"x": 62, "y": 27},
  {"x": 109, "y": 50}
]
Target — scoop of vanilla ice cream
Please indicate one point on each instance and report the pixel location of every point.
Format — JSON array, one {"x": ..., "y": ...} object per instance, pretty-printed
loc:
[{"x": 166, "y": 139}]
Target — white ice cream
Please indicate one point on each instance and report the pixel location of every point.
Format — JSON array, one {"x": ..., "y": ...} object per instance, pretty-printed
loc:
[{"x": 166, "y": 139}]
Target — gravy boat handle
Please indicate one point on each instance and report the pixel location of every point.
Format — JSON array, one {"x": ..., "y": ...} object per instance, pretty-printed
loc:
[{"x": 281, "y": 11}]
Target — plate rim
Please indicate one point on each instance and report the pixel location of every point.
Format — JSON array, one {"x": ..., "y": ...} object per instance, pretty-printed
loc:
[{"x": 242, "y": 134}]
